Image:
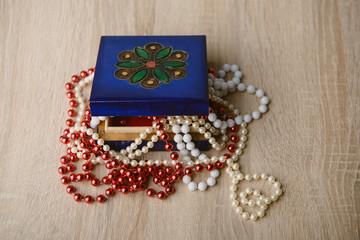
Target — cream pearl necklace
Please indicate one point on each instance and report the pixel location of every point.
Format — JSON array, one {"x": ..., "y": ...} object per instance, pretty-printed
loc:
[{"x": 212, "y": 127}]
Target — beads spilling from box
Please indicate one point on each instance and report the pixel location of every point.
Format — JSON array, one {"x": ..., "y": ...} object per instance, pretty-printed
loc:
[{"x": 126, "y": 174}]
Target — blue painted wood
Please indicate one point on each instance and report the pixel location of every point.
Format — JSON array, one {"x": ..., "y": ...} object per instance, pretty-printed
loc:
[{"x": 113, "y": 97}]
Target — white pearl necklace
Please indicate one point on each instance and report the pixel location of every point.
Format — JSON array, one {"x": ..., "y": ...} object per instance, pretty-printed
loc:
[{"x": 180, "y": 125}]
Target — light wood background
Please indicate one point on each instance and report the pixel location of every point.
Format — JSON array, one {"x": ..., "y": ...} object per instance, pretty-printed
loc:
[{"x": 305, "y": 54}]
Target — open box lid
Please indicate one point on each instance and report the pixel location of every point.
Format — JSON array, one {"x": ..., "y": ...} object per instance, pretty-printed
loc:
[{"x": 150, "y": 76}]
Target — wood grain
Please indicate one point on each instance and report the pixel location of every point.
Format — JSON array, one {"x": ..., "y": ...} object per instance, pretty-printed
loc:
[{"x": 304, "y": 54}]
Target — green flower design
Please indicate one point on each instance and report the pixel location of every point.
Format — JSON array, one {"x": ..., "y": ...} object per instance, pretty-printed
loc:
[{"x": 151, "y": 65}]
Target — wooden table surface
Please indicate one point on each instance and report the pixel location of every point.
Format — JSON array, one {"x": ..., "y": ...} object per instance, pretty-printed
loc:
[{"x": 304, "y": 54}]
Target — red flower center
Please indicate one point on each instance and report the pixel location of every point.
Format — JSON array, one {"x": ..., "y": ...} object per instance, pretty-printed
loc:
[{"x": 150, "y": 64}]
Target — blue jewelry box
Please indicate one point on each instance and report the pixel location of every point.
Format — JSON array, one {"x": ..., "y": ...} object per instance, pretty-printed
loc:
[{"x": 150, "y": 76}]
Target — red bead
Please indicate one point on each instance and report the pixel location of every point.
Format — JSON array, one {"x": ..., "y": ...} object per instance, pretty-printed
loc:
[
  {"x": 86, "y": 155},
  {"x": 73, "y": 158},
  {"x": 168, "y": 170},
  {"x": 178, "y": 166},
  {"x": 150, "y": 192},
  {"x": 66, "y": 131},
  {"x": 115, "y": 186},
  {"x": 70, "y": 94},
  {"x": 105, "y": 156},
  {"x": 106, "y": 180},
  {"x": 227, "y": 155},
  {"x": 212, "y": 71},
  {"x": 188, "y": 171},
  {"x": 92, "y": 141},
  {"x": 89, "y": 199},
  {"x": 124, "y": 189},
  {"x": 222, "y": 111},
  {"x": 62, "y": 170},
  {"x": 164, "y": 183},
  {"x": 159, "y": 126},
  {"x": 87, "y": 113},
  {"x": 73, "y": 103},
  {"x": 75, "y": 78},
  {"x": 156, "y": 180},
  {"x": 175, "y": 178},
  {"x": 169, "y": 146},
  {"x": 199, "y": 168},
  {"x": 161, "y": 195},
  {"x": 219, "y": 164},
  {"x": 211, "y": 110},
  {"x": 69, "y": 122},
  {"x": 83, "y": 135},
  {"x": 89, "y": 176},
  {"x": 65, "y": 180},
  {"x": 234, "y": 138},
  {"x": 64, "y": 140},
  {"x": 64, "y": 160},
  {"x": 91, "y": 71},
  {"x": 232, "y": 148},
  {"x": 180, "y": 173},
  {"x": 74, "y": 136},
  {"x": 164, "y": 136},
  {"x": 83, "y": 74},
  {"x": 69, "y": 86},
  {"x": 84, "y": 145},
  {"x": 70, "y": 168},
  {"x": 210, "y": 167},
  {"x": 108, "y": 165},
  {"x": 115, "y": 163},
  {"x": 71, "y": 113},
  {"x": 80, "y": 177},
  {"x": 235, "y": 128},
  {"x": 77, "y": 197},
  {"x": 96, "y": 149},
  {"x": 70, "y": 189},
  {"x": 109, "y": 192},
  {"x": 174, "y": 156},
  {"x": 100, "y": 198},
  {"x": 170, "y": 190},
  {"x": 87, "y": 166},
  {"x": 161, "y": 173},
  {"x": 73, "y": 177}
]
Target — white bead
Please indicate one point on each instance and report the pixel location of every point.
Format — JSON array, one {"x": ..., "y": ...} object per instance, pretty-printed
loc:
[
  {"x": 224, "y": 86},
  {"x": 192, "y": 186},
  {"x": 145, "y": 149},
  {"x": 230, "y": 123},
  {"x": 150, "y": 144},
  {"x": 236, "y": 81},
  {"x": 230, "y": 84},
  {"x": 238, "y": 74},
  {"x": 245, "y": 215},
  {"x": 224, "y": 125},
  {"x": 138, "y": 141},
  {"x": 186, "y": 179},
  {"x": 234, "y": 68},
  {"x": 212, "y": 117},
  {"x": 211, "y": 181},
  {"x": 226, "y": 67},
  {"x": 178, "y": 138},
  {"x": 154, "y": 138},
  {"x": 202, "y": 186},
  {"x": 195, "y": 152},
  {"x": 218, "y": 123},
  {"x": 263, "y": 108},
  {"x": 187, "y": 138},
  {"x": 259, "y": 93},
  {"x": 210, "y": 82},
  {"x": 251, "y": 89},
  {"x": 253, "y": 217},
  {"x": 106, "y": 148},
  {"x": 217, "y": 85},
  {"x": 238, "y": 119},
  {"x": 185, "y": 129},
  {"x": 89, "y": 131},
  {"x": 241, "y": 87},
  {"x": 247, "y": 118},
  {"x": 190, "y": 146},
  {"x": 102, "y": 118},
  {"x": 215, "y": 173},
  {"x": 180, "y": 146},
  {"x": 264, "y": 100},
  {"x": 221, "y": 73},
  {"x": 184, "y": 152},
  {"x": 176, "y": 129},
  {"x": 256, "y": 115},
  {"x": 138, "y": 152}
]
